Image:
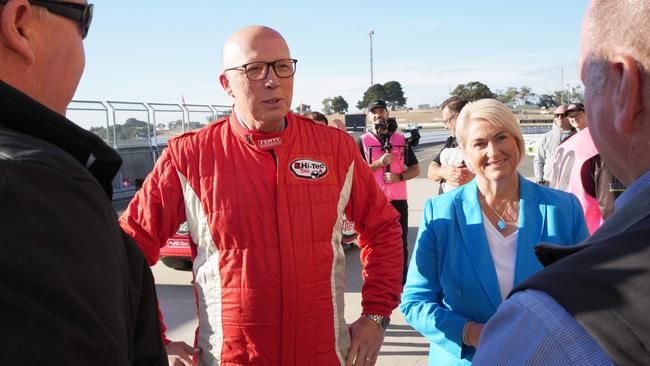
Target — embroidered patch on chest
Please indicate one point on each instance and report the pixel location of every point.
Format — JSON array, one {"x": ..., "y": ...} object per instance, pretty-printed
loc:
[{"x": 308, "y": 168}]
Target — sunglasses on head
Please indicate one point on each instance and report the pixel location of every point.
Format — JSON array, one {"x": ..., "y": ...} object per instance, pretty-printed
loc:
[{"x": 82, "y": 14}]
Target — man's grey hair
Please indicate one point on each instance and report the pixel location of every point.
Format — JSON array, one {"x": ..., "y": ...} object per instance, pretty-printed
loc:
[{"x": 616, "y": 26}]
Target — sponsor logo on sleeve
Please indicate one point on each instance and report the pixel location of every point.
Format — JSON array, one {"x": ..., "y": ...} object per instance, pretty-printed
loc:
[{"x": 308, "y": 168}]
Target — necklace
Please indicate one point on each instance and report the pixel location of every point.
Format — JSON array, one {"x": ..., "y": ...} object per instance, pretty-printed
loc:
[{"x": 501, "y": 223}]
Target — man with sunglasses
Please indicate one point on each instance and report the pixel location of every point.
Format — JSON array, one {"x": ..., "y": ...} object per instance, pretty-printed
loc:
[
  {"x": 548, "y": 143},
  {"x": 74, "y": 289},
  {"x": 264, "y": 193}
]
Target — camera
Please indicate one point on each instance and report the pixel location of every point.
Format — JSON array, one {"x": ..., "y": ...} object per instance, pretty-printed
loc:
[{"x": 390, "y": 125}]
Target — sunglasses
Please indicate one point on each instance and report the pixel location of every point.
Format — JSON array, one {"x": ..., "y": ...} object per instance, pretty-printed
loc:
[
  {"x": 560, "y": 115},
  {"x": 82, "y": 14}
]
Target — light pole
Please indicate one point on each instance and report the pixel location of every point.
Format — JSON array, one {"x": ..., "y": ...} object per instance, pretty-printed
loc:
[{"x": 371, "y": 32}]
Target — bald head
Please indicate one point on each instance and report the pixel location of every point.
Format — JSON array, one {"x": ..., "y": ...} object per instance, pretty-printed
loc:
[
  {"x": 246, "y": 44},
  {"x": 263, "y": 102}
]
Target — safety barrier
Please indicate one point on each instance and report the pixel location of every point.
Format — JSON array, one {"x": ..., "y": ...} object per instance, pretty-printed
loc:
[{"x": 139, "y": 131}]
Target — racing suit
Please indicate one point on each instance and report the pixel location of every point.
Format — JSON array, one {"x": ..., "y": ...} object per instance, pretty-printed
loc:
[{"x": 265, "y": 211}]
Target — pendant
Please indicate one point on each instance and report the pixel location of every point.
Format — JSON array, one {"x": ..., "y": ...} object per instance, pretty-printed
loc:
[{"x": 501, "y": 225}]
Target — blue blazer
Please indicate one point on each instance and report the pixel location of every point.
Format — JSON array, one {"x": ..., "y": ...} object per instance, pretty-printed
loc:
[{"x": 452, "y": 278}]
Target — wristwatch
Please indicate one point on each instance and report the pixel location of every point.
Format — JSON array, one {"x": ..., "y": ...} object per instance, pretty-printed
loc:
[{"x": 382, "y": 321}]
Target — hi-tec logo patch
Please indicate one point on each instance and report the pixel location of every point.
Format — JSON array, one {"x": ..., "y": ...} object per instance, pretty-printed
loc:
[{"x": 308, "y": 169}]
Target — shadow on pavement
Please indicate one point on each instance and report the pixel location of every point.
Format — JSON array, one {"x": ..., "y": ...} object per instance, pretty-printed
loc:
[{"x": 353, "y": 278}]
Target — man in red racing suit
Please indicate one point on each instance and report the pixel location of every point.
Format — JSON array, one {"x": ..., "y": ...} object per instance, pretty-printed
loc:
[{"x": 265, "y": 208}]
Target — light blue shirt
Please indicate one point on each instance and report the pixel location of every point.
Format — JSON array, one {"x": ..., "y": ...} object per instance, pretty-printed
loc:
[
  {"x": 531, "y": 328},
  {"x": 633, "y": 190}
]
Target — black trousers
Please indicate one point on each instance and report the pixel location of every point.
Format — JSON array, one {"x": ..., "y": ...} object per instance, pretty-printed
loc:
[{"x": 403, "y": 208}]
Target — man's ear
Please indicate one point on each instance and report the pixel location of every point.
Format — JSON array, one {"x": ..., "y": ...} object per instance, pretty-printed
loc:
[
  {"x": 627, "y": 100},
  {"x": 225, "y": 84},
  {"x": 16, "y": 25}
]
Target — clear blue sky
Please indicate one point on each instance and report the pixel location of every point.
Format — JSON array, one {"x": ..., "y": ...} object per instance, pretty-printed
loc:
[{"x": 152, "y": 51}]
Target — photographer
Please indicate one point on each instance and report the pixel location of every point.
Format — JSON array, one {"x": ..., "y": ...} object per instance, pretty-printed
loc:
[{"x": 392, "y": 161}]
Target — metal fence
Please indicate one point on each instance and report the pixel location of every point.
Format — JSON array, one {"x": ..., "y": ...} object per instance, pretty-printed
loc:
[{"x": 139, "y": 131}]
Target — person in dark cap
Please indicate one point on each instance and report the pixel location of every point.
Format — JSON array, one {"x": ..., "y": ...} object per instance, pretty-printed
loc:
[
  {"x": 575, "y": 113},
  {"x": 392, "y": 161}
]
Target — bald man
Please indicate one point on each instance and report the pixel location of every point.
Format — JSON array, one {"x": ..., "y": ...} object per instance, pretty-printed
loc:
[
  {"x": 264, "y": 193},
  {"x": 590, "y": 305},
  {"x": 548, "y": 143}
]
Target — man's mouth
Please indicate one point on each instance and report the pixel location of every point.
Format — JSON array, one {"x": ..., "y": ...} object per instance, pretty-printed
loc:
[{"x": 272, "y": 101}]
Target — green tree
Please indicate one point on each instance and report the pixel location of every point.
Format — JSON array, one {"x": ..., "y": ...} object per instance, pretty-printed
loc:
[
  {"x": 547, "y": 101},
  {"x": 507, "y": 96},
  {"x": 575, "y": 94},
  {"x": 374, "y": 92},
  {"x": 327, "y": 106},
  {"x": 394, "y": 95},
  {"x": 339, "y": 105},
  {"x": 474, "y": 90},
  {"x": 303, "y": 108},
  {"x": 524, "y": 95}
]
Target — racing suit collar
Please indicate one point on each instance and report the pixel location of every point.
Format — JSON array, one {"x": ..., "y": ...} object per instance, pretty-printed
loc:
[{"x": 263, "y": 141}]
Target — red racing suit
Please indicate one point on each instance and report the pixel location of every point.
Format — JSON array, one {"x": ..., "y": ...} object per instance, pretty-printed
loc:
[{"x": 265, "y": 210}]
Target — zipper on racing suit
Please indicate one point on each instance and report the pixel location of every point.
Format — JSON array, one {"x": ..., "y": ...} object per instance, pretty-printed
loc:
[{"x": 275, "y": 158}]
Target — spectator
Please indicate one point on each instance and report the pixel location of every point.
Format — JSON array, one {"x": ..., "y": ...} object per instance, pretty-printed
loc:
[
  {"x": 548, "y": 143},
  {"x": 448, "y": 167},
  {"x": 392, "y": 161},
  {"x": 579, "y": 169},
  {"x": 74, "y": 290},
  {"x": 476, "y": 242},
  {"x": 591, "y": 307},
  {"x": 264, "y": 201},
  {"x": 317, "y": 117},
  {"x": 339, "y": 124}
]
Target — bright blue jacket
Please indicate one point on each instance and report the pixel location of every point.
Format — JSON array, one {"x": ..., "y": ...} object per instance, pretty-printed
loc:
[{"x": 452, "y": 278}]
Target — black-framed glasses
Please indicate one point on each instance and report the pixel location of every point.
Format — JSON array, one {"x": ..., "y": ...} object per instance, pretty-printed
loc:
[
  {"x": 82, "y": 14},
  {"x": 259, "y": 70}
]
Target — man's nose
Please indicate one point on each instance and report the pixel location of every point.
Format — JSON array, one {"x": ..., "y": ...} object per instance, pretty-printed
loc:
[{"x": 272, "y": 80}]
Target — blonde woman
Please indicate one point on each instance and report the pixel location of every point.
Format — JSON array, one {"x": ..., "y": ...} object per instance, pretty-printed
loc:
[{"x": 476, "y": 242}]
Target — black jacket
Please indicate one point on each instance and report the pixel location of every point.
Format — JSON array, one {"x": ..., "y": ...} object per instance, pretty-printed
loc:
[{"x": 74, "y": 289}]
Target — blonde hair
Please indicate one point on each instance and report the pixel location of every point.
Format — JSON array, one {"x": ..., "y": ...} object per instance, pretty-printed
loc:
[{"x": 494, "y": 112}]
